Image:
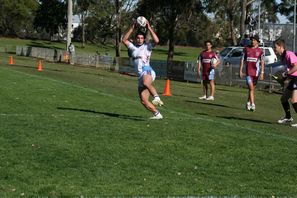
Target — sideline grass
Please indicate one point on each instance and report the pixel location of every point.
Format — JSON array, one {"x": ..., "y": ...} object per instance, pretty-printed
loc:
[
  {"x": 72, "y": 131},
  {"x": 160, "y": 52}
]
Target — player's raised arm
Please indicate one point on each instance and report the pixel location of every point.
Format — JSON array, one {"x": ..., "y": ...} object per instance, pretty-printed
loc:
[
  {"x": 126, "y": 37},
  {"x": 153, "y": 34}
]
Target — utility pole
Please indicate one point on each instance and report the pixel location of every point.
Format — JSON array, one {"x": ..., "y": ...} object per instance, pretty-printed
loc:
[{"x": 69, "y": 23}]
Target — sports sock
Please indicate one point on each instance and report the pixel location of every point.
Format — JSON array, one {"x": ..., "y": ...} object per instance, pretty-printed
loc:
[
  {"x": 295, "y": 106},
  {"x": 156, "y": 96},
  {"x": 155, "y": 114},
  {"x": 286, "y": 107}
]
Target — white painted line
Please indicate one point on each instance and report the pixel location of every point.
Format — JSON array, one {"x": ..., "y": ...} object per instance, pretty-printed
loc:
[{"x": 191, "y": 117}]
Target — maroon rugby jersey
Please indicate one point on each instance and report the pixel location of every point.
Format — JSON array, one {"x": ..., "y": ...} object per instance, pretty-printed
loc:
[
  {"x": 252, "y": 58},
  {"x": 205, "y": 59}
]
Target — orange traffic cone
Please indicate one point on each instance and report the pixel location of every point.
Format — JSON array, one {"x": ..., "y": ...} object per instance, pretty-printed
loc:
[
  {"x": 39, "y": 65},
  {"x": 167, "y": 89},
  {"x": 10, "y": 60}
]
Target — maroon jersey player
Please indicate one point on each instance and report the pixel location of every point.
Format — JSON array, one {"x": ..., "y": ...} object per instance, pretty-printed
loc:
[
  {"x": 253, "y": 60},
  {"x": 208, "y": 60}
]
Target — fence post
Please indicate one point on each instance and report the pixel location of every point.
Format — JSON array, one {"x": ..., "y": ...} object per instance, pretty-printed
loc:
[
  {"x": 270, "y": 79},
  {"x": 231, "y": 74}
]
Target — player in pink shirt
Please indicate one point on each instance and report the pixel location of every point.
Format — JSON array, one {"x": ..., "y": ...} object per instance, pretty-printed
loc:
[
  {"x": 253, "y": 59},
  {"x": 206, "y": 59},
  {"x": 290, "y": 60}
]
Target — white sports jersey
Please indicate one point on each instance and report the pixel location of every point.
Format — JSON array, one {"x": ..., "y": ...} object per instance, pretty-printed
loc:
[{"x": 141, "y": 56}]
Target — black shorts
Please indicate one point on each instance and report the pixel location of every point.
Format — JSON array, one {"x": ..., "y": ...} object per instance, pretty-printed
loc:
[{"x": 292, "y": 84}]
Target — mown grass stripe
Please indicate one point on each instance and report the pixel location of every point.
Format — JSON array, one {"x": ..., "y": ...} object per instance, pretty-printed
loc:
[{"x": 135, "y": 102}]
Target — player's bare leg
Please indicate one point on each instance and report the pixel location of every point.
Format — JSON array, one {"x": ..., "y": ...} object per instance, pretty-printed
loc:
[
  {"x": 144, "y": 94},
  {"x": 205, "y": 89},
  {"x": 212, "y": 90},
  {"x": 251, "y": 98},
  {"x": 147, "y": 82},
  {"x": 294, "y": 103}
]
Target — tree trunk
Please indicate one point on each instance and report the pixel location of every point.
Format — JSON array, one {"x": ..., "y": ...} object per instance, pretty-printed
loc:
[
  {"x": 245, "y": 4},
  {"x": 232, "y": 29},
  {"x": 83, "y": 30},
  {"x": 118, "y": 29},
  {"x": 171, "y": 44},
  {"x": 243, "y": 17}
]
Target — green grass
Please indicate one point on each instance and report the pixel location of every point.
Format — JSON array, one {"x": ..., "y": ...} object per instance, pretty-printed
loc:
[
  {"x": 160, "y": 52},
  {"x": 72, "y": 131}
]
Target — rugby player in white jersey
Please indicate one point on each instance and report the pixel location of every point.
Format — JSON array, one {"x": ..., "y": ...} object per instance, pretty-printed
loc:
[{"x": 141, "y": 52}]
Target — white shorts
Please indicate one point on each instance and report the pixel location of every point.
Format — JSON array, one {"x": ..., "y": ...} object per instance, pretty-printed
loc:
[
  {"x": 146, "y": 72},
  {"x": 211, "y": 74}
]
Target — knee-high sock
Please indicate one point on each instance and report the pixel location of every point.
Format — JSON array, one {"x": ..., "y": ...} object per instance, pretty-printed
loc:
[
  {"x": 286, "y": 107},
  {"x": 295, "y": 106}
]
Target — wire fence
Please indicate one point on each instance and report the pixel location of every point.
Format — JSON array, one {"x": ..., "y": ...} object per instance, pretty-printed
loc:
[
  {"x": 175, "y": 70},
  {"x": 273, "y": 31}
]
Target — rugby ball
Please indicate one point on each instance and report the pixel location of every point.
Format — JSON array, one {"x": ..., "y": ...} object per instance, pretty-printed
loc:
[
  {"x": 213, "y": 61},
  {"x": 141, "y": 21}
]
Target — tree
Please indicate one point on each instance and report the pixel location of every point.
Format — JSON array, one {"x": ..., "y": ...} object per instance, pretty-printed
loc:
[
  {"x": 16, "y": 17},
  {"x": 51, "y": 16},
  {"x": 82, "y": 9},
  {"x": 170, "y": 16},
  {"x": 99, "y": 23},
  {"x": 104, "y": 20},
  {"x": 286, "y": 7},
  {"x": 268, "y": 12},
  {"x": 118, "y": 31},
  {"x": 226, "y": 10},
  {"x": 245, "y": 9}
]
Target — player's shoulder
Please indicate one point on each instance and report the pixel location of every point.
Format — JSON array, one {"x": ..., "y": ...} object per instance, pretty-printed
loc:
[
  {"x": 259, "y": 49},
  {"x": 291, "y": 56},
  {"x": 202, "y": 53},
  {"x": 246, "y": 48},
  {"x": 290, "y": 53},
  {"x": 213, "y": 53}
]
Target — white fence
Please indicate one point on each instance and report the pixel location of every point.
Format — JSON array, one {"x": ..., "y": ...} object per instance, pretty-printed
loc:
[{"x": 175, "y": 70}]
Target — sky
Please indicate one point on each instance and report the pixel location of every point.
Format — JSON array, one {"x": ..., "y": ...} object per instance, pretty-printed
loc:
[{"x": 282, "y": 18}]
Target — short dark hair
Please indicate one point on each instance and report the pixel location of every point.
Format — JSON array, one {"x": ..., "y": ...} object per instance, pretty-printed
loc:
[
  {"x": 140, "y": 33},
  {"x": 208, "y": 41},
  {"x": 280, "y": 42}
]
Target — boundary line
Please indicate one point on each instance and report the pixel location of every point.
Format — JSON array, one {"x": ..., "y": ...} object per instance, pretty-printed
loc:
[{"x": 191, "y": 117}]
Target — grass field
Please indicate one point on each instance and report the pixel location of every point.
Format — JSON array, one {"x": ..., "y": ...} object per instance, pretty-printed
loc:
[
  {"x": 75, "y": 131},
  {"x": 160, "y": 52}
]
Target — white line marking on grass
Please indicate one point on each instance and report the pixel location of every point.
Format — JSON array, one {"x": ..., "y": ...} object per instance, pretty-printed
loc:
[
  {"x": 272, "y": 135},
  {"x": 53, "y": 115},
  {"x": 74, "y": 85}
]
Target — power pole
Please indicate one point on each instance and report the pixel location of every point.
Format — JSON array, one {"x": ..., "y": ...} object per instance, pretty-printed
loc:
[
  {"x": 118, "y": 27},
  {"x": 69, "y": 23}
]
